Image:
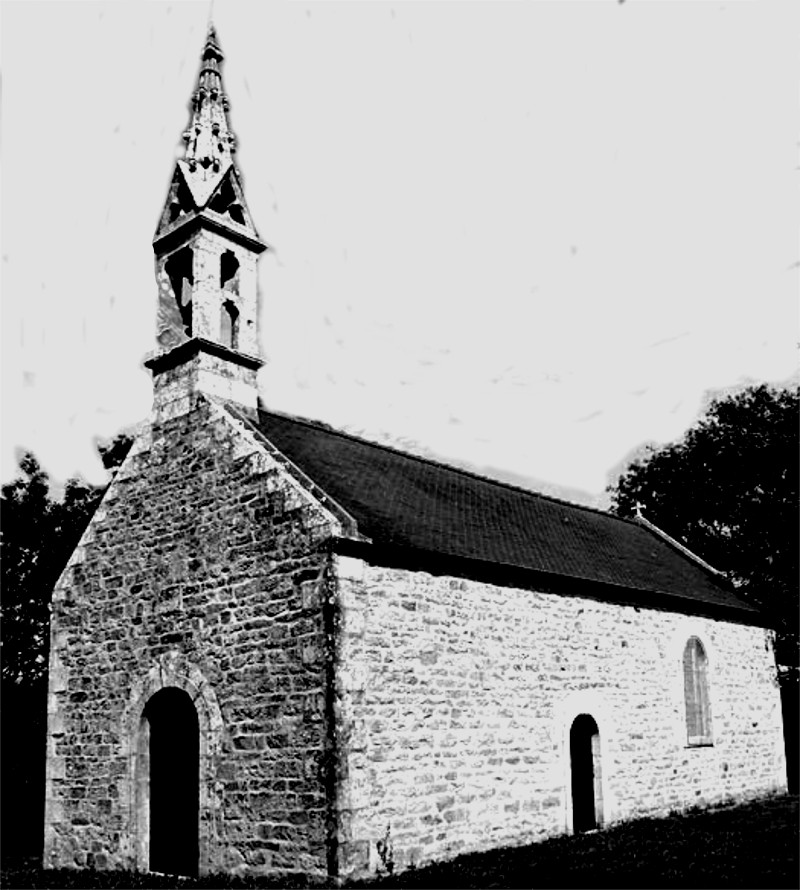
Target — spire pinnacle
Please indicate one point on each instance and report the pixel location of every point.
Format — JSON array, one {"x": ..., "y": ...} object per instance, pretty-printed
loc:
[{"x": 209, "y": 142}]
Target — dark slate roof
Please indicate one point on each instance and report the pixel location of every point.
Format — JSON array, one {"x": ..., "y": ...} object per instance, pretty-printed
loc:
[{"x": 401, "y": 500}]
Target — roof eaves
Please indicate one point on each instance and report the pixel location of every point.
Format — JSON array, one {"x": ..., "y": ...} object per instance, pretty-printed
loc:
[{"x": 436, "y": 563}]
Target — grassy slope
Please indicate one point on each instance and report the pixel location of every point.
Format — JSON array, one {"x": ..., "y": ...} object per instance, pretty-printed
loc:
[{"x": 753, "y": 845}]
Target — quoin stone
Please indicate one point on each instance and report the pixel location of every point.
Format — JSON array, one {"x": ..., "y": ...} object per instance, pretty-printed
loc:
[{"x": 281, "y": 649}]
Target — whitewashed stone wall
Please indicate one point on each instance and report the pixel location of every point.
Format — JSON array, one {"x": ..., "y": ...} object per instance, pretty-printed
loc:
[{"x": 456, "y": 700}]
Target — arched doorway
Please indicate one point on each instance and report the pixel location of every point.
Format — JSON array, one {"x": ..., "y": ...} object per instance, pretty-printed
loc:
[
  {"x": 172, "y": 782},
  {"x": 585, "y": 767}
]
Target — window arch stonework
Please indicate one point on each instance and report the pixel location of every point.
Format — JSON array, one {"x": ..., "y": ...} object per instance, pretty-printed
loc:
[
  {"x": 684, "y": 629},
  {"x": 171, "y": 670},
  {"x": 695, "y": 691}
]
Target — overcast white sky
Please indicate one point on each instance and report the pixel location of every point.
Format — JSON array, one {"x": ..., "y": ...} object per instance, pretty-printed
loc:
[{"x": 529, "y": 236}]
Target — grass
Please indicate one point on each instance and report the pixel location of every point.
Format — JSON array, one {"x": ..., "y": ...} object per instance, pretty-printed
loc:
[{"x": 751, "y": 845}]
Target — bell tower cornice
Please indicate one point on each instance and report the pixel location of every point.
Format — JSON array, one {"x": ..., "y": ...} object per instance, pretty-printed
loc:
[{"x": 214, "y": 222}]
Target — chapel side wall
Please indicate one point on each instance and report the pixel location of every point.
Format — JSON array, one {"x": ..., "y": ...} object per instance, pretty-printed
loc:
[
  {"x": 200, "y": 569},
  {"x": 457, "y": 698}
]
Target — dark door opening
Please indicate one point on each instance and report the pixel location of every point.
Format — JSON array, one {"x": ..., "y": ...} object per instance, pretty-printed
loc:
[
  {"x": 174, "y": 782},
  {"x": 587, "y": 795}
]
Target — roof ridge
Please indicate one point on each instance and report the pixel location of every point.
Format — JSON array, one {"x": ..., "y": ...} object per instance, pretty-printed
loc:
[{"x": 322, "y": 425}]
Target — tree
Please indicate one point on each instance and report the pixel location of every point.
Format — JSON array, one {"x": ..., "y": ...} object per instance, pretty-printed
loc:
[
  {"x": 37, "y": 538},
  {"x": 38, "y": 535},
  {"x": 27, "y": 519},
  {"x": 728, "y": 490}
]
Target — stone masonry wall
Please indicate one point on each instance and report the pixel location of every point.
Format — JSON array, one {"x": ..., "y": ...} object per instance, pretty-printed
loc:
[
  {"x": 200, "y": 570},
  {"x": 456, "y": 700}
]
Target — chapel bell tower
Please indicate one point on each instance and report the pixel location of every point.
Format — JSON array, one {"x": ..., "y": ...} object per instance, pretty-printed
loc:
[{"x": 206, "y": 249}]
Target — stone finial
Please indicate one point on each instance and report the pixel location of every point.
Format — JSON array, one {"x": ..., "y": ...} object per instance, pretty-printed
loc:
[{"x": 212, "y": 44}]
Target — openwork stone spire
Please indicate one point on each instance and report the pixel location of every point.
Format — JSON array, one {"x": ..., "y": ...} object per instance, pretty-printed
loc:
[
  {"x": 206, "y": 249},
  {"x": 210, "y": 144}
]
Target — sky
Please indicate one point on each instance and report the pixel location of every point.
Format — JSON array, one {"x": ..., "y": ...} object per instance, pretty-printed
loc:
[{"x": 524, "y": 237}]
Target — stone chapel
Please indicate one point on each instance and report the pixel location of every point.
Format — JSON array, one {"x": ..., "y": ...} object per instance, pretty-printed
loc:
[{"x": 279, "y": 648}]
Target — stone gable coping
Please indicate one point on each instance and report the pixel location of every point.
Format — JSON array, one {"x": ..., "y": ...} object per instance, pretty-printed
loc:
[
  {"x": 681, "y": 548},
  {"x": 345, "y": 520},
  {"x": 140, "y": 444}
]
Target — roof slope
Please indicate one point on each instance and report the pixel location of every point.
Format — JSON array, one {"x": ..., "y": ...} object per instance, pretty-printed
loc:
[{"x": 404, "y": 500}]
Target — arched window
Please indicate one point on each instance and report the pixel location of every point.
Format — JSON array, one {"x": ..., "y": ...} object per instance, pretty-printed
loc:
[
  {"x": 695, "y": 689},
  {"x": 229, "y": 325},
  {"x": 180, "y": 269},
  {"x": 229, "y": 272}
]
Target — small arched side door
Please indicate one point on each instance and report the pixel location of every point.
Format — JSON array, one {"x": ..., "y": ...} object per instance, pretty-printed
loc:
[{"x": 586, "y": 774}]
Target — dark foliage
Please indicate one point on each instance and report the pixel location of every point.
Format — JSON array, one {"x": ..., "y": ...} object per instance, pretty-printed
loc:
[
  {"x": 728, "y": 490},
  {"x": 29, "y": 568},
  {"x": 113, "y": 453},
  {"x": 37, "y": 538},
  {"x": 790, "y": 702},
  {"x": 752, "y": 845}
]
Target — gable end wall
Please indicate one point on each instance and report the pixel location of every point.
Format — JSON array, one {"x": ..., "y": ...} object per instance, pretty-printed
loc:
[{"x": 201, "y": 570}]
